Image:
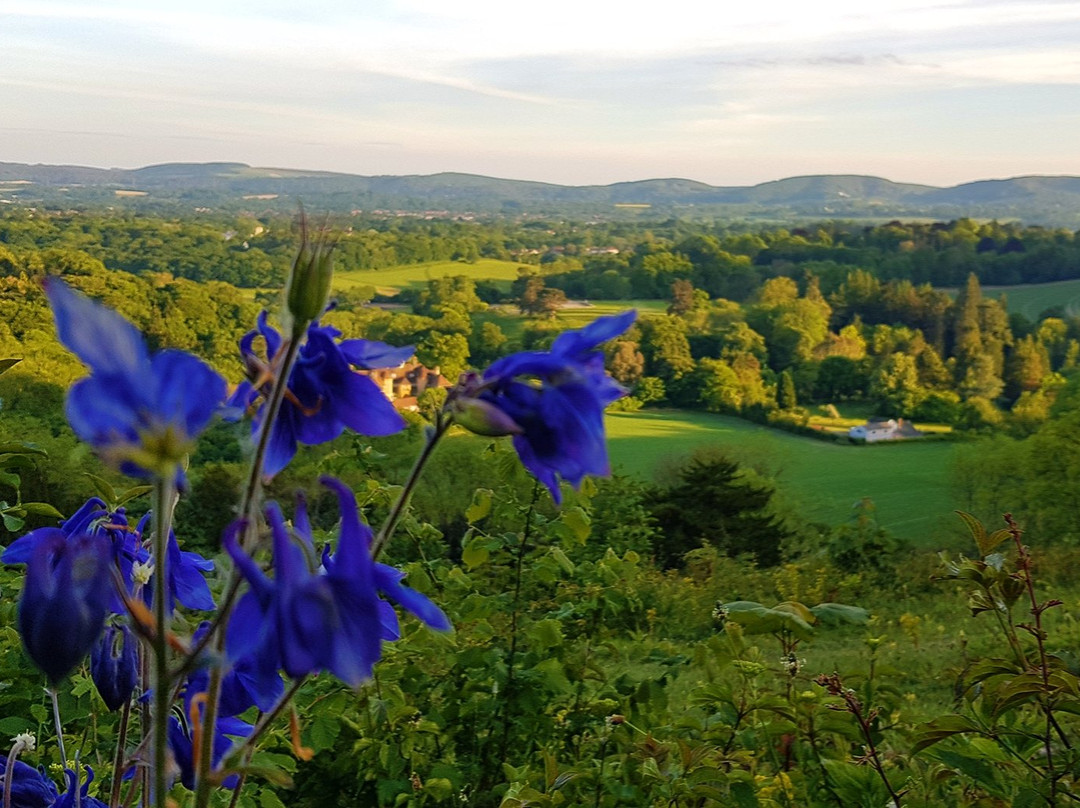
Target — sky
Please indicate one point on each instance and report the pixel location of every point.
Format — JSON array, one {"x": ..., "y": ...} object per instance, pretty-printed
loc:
[{"x": 574, "y": 92}]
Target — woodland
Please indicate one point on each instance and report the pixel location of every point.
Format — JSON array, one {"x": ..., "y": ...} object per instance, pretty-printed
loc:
[{"x": 682, "y": 638}]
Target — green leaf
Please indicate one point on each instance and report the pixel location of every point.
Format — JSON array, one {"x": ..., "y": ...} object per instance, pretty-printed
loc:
[
  {"x": 579, "y": 523},
  {"x": 481, "y": 505},
  {"x": 21, "y": 448},
  {"x": 439, "y": 787},
  {"x": 132, "y": 493},
  {"x": 8, "y": 364},
  {"x": 563, "y": 560},
  {"x": 10, "y": 479},
  {"x": 744, "y": 796},
  {"x": 268, "y": 799},
  {"x": 102, "y": 487},
  {"x": 757, "y": 619},
  {"x": 840, "y": 614},
  {"x": 544, "y": 634},
  {"x": 13, "y": 523},
  {"x": 475, "y": 552},
  {"x": 939, "y": 729},
  {"x": 42, "y": 509}
]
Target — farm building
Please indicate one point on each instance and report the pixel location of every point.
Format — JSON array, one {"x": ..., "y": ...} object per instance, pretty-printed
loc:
[{"x": 876, "y": 429}]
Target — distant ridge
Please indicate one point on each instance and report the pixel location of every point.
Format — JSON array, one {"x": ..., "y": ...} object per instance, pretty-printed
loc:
[{"x": 1039, "y": 199}]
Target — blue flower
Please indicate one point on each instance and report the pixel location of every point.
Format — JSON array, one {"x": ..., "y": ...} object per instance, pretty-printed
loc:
[
  {"x": 30, "y": 788},
  {"x": 180, "y": 740},
  {"x": 324, "y": 395},
  {"x": 76, "y": 797},
  {"x": 331, "y": 620},
  {"x": 186, "y": 583},
  {"x": 114, "y": 666},
  {"x": 555, "y": 401},
  {"x": 64, "y": 601},
  {"x": 140, "y": 411}
]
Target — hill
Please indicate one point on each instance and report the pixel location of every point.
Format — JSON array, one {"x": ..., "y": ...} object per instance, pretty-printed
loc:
[{"x": 1046, "y": 200}]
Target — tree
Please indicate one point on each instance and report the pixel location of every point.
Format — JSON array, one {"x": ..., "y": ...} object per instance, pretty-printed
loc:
[
  {"x": 785, "y": 392},
  {"x": 714, "y": 501},
  {"x": 447, "y": 352},
  {"x": 895, "y": 387}
]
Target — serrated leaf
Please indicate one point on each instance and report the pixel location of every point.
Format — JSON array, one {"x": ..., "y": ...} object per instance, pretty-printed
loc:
[{"x": 481, "y": 505}]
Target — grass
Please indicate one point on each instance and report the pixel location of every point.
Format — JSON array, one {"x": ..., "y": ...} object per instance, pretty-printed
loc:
[
  {"x": 1034, "y": 298},
  {"x": 394, "y": 279},
  {"x": 908, "y": 481}
]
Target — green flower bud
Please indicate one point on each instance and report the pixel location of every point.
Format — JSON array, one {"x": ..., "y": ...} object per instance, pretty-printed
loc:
[
  {"x": 308, "y": 287},
  {"x": 483, "y": 418}
]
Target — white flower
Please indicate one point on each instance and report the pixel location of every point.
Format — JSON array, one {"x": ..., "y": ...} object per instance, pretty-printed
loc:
[{"x": 23, "y": 742}]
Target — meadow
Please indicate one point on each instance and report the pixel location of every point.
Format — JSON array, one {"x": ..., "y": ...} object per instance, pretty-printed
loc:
[
  {"x": 908, "y": 481},
  {"x": 416, "y": 276},
  {"x": 1032, "y": 299}
]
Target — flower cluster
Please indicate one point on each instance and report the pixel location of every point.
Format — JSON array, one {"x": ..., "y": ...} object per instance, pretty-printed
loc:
[
  {"x": 90, "y": 579},
  {"x": 324, "y": 394},
  {"x": 552, "y": 402}
]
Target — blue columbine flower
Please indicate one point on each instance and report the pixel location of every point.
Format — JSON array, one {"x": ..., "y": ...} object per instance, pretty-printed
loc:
[
  {"x": 64, "y": 601},
  {"x": 114, "y": 666},
  {"x": 554, "y": 401},
  {"x": 30, "y": 788},
  {"x": 325, "y": 394},
  {"x": 328, "y": 620},
  {"x": 76, "y": 796},
  {"x": 180, "y": 739},
  {"x": 185, "y": 568},
  {"x": 140, "y": 411}
]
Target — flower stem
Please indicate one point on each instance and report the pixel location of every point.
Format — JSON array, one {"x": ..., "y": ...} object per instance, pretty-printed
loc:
[
  {"x": 59, "y": 725},
  {"x": 118, "y": 760},
  {"x": 288, "y": 353},
  {"x": 248, "y": 511},
  {"x": 438, "y": 429},
  {"x": 164, "y": 502}
]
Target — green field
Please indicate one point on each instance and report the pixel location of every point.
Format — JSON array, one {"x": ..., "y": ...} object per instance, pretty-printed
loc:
[
  {"x": 907, "y": 481},
  {"x": 393, "y": 279},
  {"x": 1034, "y": 298}
]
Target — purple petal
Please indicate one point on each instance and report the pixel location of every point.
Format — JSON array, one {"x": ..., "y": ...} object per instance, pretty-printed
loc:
[
  {"x": 101, "y": 338},
  {"x": 369, "y": 354}
]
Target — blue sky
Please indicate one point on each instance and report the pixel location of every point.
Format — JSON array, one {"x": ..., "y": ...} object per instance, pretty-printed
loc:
[{"x": 574, "y": 92}]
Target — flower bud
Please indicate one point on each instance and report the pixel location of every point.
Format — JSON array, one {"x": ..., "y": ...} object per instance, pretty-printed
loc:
[
  {"x": 64, "y": 599},
  {"x": 114, "y": 666},
  {"x": 483, "y": 418},
  {"x": 308, "y": 287}
]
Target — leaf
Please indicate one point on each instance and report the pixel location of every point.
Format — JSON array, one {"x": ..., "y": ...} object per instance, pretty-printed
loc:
[
  {"x": 13, "y": 523},
  {"x": 993, "y": 540},
  {"x": 579, "y": 523},
  {"x": 132, "y": 493},
  {"x": 475, "y": 552},
  {"x": 744, "y": 796},
  {"x": 481, "y": 505},
  {"x": 10, "y": 479},
  {"x": 8, "y": 364},
  {"x": 268, "y": 799},
  {"x": 939, "y": 729},
  {"x": 41, "y": 509},
  {"x": 757, "y": 619},
  {"x": 102, "y": 487},
  {"x": 798, "y": 609},
  {"x": 840, "y": 614},
  {"x": 21, "y": 448},
  {"x": 986, "y": 543},
  {"x": 563, "y": 560},
  {"x": 544, "y": 634}
]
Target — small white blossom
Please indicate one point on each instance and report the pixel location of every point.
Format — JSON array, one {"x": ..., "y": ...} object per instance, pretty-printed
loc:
[
  {"x": 142, "y": 572},
  {"x": 23, "y": 742}
]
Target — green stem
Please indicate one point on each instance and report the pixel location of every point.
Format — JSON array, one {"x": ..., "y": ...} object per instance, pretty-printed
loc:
[
  {"x": 59, "y": 725},
  {"x": 118, "y": 760},
  {"x": 440, "y": 427},
  {"x": 164, "y": 502},
  {"x": 248, "y": 511}
]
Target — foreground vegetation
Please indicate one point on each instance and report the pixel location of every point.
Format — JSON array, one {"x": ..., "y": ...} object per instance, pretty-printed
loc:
[{"x": 746, "y": 614}]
